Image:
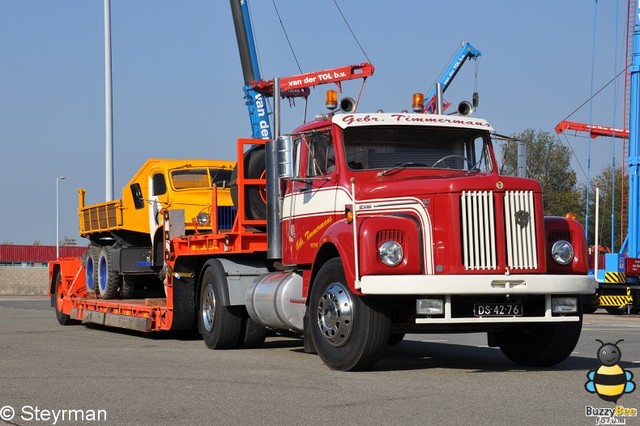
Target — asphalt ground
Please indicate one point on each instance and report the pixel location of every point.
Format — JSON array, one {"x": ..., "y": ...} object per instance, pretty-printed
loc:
[{"x": 52, "y": 375}]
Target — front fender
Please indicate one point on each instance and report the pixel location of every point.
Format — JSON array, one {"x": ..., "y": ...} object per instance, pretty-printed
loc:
[
  {"x": 338, "y": 238},
  {"x": 371, "y": 232},
  {"x": 562, "y": 228}
]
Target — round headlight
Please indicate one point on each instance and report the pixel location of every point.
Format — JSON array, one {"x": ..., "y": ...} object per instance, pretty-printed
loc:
[
  {"x": 390, "y": 253},
  {"x": 202, "y": 218},
  {"x": 562, "y": 252}
]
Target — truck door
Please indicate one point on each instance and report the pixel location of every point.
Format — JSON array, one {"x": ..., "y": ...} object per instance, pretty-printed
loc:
[
  {"x": 157, "y": 198},
  {"x": 313, "y": 197}
]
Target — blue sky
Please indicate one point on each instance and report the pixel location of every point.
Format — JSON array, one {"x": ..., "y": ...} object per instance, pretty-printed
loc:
[{"x": 177, "y": 80}]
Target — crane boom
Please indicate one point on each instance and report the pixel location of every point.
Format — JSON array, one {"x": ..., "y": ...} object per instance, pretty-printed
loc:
[
  {"x": 633, "y": 236},
  {"x": 466, "y": 51},
  {"x": 256, "y": 89},
  {"x": 593, "y": 130}
]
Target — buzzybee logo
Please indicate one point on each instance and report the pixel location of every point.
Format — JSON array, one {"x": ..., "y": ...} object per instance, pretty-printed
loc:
[{"x": 610, "y": 381}]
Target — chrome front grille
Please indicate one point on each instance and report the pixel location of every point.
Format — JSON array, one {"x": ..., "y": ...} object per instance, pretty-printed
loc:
[
  {"x": 479, "y": 245},
  {"x": 520, "y": 230},
  {"x": 478, "y": 230}
]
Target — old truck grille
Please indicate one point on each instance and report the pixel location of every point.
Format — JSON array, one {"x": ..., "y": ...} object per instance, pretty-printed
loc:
[{"x": 479, "y": 245}]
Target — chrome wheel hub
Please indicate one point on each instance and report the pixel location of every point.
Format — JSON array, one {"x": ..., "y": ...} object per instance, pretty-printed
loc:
[
  {"x": 208, "y": 308},
  {"x": 335, "y": 314}
]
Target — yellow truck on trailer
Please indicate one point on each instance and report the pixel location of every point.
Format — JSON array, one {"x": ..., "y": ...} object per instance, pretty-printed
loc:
[{"x": 125, "y": 235}]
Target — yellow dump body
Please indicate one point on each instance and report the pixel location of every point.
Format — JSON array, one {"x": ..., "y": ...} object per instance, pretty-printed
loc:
[{"x": 158, "y": 185}]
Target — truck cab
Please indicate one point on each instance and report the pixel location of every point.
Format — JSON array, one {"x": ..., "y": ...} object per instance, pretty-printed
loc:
[{"x": 409, "y": 212}]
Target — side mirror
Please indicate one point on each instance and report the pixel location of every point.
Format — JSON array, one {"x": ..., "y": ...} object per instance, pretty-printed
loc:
[
  {"x": 136, "y": 193},
  {"x": 284, "y": 146}
]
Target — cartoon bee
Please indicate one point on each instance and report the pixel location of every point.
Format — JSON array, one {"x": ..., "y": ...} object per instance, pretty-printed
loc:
[{"x": 610, "y": 381}]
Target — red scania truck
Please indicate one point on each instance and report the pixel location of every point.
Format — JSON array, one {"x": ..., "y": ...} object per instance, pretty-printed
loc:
[
  {"x": 353, "y": 230},
  {"x": 376, "y": 225}
]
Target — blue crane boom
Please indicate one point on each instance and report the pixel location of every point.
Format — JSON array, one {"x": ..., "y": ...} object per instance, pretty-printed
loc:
[
  {"x": 618, "y": 279},
  {"x": 633, "y": 235},
  {"x": 255, "y": 101},
  {"x": 466, "y": 51}
]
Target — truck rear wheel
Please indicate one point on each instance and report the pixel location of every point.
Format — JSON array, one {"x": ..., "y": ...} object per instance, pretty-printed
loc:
[
  {"x": 219, "y": 325},
  {"x": 539, "y": 345},
  {"x": 108, "y": 280},
  {"x": 349, "y": 332},
  {"x": 91, "y": 261},
  {"x": 58, "y": 296}
]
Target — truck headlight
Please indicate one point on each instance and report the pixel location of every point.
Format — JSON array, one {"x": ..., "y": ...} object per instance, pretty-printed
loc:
[
  {"x": 203, "y": 218},
  {"x": 562, "y": 252},
  {"x": 390, "y": 253}
]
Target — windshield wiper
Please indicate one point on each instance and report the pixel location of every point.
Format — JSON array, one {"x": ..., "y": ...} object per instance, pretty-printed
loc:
[{"x": 400, "y": 167}]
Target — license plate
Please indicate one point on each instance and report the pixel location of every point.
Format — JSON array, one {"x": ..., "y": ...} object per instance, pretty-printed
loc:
[{"x": 497, "y": 309}]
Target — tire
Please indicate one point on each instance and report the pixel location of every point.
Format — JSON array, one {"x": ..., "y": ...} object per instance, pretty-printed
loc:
[
  {"x": 395, "y": 339},
  {"x": 589, "y": 309},
  {"x": 349, "y": 332},
  {"x": 252, "y": 335},
  {"x": 219, "y": 325},
  {"x": 128, "y": 286},
  {"x": 58, "y": 296},
  {"x": 91, "y": 262},
  {"x": 255, "y": 197},
  {"x": 539, "y": 345},
  {"x": 615, "y": 310},
  {"x": 108, "y": 280}
]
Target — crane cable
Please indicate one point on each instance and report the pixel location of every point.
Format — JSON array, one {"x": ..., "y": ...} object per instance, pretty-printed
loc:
[
  {"x": 594, "y": 95},
  {"x": 350, "y": 30},
  {"x": 295, "y": 57},
  {"x": 286, "y": 35},
  {"x": 284, "y": 30},
  {"x": 593, "y": 61}
]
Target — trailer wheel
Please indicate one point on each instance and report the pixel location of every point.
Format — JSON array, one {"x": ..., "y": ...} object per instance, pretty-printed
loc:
[
  {"x": 108, "y": 280},
  {"x": 539, "y": 345},
  {"x": 58, "y": 296},
  {"x": 255, "y": 196},
  {"x": 615, "y": 310},
  {"x": 219, "y": 325},
  {"x": 91, "y": 262},
  {"x": 252, "y": 334},
  {"x": 349, "y": 332}
]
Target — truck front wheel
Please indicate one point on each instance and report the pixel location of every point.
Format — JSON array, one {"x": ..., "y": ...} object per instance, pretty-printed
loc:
[
  {"x": 349, "y": 332},
  {"x": 539, "y": 345},
  {"x": 219, "y": 325}
]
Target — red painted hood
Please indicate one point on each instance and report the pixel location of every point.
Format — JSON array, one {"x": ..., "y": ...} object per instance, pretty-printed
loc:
[{"x": 403, "y": 185}]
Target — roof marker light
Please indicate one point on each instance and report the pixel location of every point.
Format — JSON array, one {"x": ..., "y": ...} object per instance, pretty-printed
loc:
[
  {"x": 418, "y": 102},
  {"x": 331, "y": 99}
]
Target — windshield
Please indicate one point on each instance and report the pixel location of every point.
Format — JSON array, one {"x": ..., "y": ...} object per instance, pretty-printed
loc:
[
  {"x": 200, "y": 178},
  {"x": 398, "y": 147}
]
